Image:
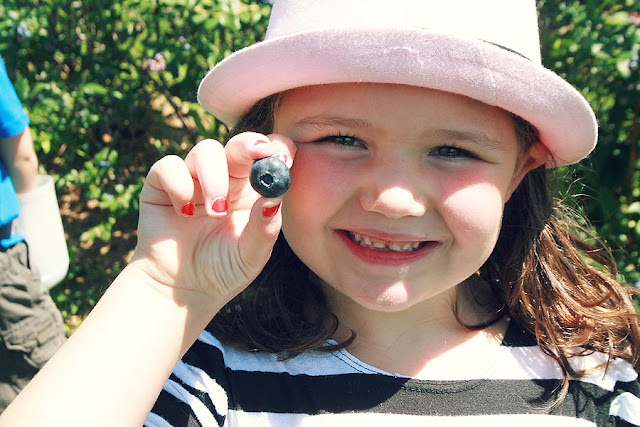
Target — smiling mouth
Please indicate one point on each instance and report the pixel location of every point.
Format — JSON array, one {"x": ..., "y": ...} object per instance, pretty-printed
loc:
[{"x": 383, "y": 246}]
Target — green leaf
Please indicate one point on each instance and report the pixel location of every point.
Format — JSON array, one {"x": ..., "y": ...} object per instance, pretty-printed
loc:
[
  {"x": 21, "y": 86},
  {"x": 623, "y": 68},
  {"x": 43, "y": 140},
  {"x": 618, "y": 18},
  {"x": 93, "y": 89},
  {"x": 633, "y": 208}
]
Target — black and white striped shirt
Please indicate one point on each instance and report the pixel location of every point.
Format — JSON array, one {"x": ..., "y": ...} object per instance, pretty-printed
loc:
[{"x": 216, "y": 384}]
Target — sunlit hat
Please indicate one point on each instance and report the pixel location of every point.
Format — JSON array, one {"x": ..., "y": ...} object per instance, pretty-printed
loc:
[{"x": 487, "y": 50}]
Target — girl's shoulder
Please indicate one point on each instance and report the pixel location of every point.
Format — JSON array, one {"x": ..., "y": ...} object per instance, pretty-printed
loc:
[
  {"x": 614, "y": 383},
  {"x": 524, "y": 358}
]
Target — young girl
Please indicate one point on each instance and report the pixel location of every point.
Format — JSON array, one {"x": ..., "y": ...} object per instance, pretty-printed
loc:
[{"x": 416, "y": 272}]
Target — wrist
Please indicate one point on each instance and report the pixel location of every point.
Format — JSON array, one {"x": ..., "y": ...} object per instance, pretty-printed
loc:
[{"x": 192, "y": 300}]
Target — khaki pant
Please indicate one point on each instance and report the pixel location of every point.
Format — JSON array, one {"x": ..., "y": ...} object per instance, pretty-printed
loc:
[{"x": 31, "y": 327}]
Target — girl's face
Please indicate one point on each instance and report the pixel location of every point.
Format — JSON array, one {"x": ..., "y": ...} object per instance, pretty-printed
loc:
[{"x": 397, "y": 192}]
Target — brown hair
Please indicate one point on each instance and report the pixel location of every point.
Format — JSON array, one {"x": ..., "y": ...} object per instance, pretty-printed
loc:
[
  {"x": 282, "y": 311},
  {"x": 558, "y": 280},
  {"x": 548, "y": 272}
]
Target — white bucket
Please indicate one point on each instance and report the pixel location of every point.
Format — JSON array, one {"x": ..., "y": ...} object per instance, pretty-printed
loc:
[{"x": 41, "y": 225}]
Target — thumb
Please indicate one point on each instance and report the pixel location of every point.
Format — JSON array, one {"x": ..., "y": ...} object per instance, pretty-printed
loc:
[{"x": 261, "y": 232}]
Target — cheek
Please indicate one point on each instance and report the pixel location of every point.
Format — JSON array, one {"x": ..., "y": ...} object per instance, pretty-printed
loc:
[
  {"x": 474, "y": 209},
  {"x": 316, "y": 193},
  {"x": 314, "y": 181},
  {"x": 315, "y": 178},
  {"x": 305, "y": 187}
]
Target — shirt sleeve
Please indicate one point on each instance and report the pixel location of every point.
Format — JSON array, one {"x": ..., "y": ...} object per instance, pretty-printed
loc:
[
  {"x": 13, "y": 118},
  {"x": 625, "y": 407}
]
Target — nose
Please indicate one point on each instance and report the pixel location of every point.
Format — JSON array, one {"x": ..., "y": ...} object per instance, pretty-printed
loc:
[{"x": 394, "y": 194}]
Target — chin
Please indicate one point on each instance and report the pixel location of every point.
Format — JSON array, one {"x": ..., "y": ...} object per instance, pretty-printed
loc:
[{"x": 392, "y": 299}]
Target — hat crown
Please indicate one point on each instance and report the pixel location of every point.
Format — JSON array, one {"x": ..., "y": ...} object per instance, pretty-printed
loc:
[{"x": 511, "y": 24}]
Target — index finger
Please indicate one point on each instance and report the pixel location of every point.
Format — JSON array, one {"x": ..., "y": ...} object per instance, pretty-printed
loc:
[{"x": 207, "y": 164}]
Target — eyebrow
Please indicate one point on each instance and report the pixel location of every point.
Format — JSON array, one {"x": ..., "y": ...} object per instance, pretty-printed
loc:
[{"x": 322, "y": 121}]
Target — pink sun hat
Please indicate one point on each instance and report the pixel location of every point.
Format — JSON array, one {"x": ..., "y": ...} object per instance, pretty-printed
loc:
[{"x": 487, "y": 50}]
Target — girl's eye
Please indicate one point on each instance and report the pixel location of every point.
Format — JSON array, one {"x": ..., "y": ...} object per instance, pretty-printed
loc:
[
  {"x": 343, "y": 140},
  {"x": 451, "y": 152}
]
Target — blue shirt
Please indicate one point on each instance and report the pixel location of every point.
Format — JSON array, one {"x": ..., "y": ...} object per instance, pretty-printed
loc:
[{"x": 13, "y": 121}]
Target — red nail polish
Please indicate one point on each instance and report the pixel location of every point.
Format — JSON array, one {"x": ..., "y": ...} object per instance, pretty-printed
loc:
[
  {"x": 189, "y": 209},
  {"x": 219, "y": 205},
  {"x": 270, "y": 211},
  {"x": 260, "y": 141}
]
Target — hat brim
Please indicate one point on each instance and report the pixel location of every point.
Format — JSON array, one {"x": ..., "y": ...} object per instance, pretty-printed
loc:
[{"x": 566, "y": 123}]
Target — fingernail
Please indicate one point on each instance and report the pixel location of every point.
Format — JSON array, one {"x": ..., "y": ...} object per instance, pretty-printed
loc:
[
  {"x": 188, "y": 209},
  {"x": 260, "y": 141},
  {"x": 219, "y": 204},
  {"x": 282, "y": 157},
  {"x": 271, "y": 211}
]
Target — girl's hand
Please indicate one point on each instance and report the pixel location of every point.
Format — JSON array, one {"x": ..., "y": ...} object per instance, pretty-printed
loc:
[
  {"x": 203, "y": 229},
  {"x": 186, "y": 266}
]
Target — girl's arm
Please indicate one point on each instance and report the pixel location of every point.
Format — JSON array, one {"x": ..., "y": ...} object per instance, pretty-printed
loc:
[
  {"x": 19, "y": 157},
  {"x": 114, "y": 366},
  {"x": 185, "y": 268}
]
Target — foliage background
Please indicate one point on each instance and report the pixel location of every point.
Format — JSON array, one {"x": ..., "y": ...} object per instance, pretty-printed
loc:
[{"x": 110, "y": 88}]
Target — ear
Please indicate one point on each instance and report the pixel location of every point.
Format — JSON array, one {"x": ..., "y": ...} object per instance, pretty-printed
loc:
[{"x": 536, "y": 156}]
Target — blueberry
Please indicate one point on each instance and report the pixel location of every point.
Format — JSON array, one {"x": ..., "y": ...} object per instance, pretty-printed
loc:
[{"x": 270, "y": 177}]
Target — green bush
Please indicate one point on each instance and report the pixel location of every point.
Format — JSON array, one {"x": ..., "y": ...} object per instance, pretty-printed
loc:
[
  {"x": 595, "y": 45},
  {"x": 110, "y": 88}
]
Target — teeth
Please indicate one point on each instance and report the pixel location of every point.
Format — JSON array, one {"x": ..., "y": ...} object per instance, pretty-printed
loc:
[{"x": 367, "y": 242}]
